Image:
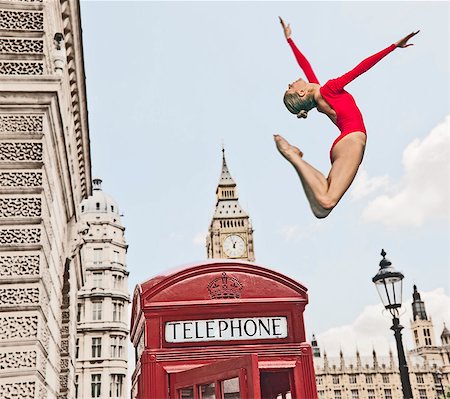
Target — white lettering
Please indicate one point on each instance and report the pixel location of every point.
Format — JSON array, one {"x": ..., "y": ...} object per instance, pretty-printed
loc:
[{"x": 251, "y": 328}]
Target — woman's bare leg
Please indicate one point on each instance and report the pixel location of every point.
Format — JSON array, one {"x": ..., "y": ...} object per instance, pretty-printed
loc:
[{"x": 324, "y": 193}]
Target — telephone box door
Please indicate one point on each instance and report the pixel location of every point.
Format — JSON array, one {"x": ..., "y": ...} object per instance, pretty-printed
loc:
[{"x": 236, "y": 378}]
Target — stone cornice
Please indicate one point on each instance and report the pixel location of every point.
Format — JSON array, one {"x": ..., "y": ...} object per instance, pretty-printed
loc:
[{"x": 70, "y": 10}]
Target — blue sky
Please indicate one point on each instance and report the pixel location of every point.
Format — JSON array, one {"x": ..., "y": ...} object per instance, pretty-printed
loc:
[{"x": 169, "y": 82}]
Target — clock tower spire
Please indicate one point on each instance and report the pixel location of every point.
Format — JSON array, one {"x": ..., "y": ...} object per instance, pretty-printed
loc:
[{"x": 230, "y": 233}]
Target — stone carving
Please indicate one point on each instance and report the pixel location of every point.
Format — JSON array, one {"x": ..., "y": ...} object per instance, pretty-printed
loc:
[
  {"x": 64, "y": 346},
  {"x": 16, "y": 327},
  {"x": 64, "y": 364},
  {"x": 14, "y": 390},
  {"x": 20, "y": 152},
  {"x": 63, "y": 381},
  {"x": 19, "y": 296},
  {"x": 21, "y": 20},
  {"x": 21, "y": 68},
  {"x": 44, "y": 336},
  {"x": 22, "y": 265},
  {"x": 20, "y": 179},
  {"x": 18, "y": 123},
  {"x": 19, "y": 359},
  {"x": 21, "y": 46},
  {"x": 20, "y": 236},
  {"x": 20, "y": 207}
]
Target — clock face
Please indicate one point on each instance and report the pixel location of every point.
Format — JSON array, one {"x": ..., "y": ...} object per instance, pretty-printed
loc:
[{"x": 234, "y": 246}]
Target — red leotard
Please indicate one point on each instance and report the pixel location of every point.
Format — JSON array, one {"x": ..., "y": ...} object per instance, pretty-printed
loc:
[{"x": 348, "y": 116}]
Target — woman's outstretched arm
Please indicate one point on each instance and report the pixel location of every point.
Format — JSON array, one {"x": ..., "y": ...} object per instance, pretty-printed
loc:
[
  {"x": 369, "y": 62},
  {"x": 301, "y": 59}
]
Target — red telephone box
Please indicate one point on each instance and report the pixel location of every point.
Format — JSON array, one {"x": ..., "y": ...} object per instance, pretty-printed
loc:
[{"x": 221, "y": 330}]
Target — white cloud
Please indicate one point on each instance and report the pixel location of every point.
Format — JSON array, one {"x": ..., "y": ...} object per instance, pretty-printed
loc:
[
  {"x": 364, "y": 186},
  {"x": 371, "y": 329},
  {"x": 424, "y": 189},
  {"x": 199, "y": 239}
]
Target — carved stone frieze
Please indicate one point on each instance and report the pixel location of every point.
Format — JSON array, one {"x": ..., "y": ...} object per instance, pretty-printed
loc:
[
  {"x": 21, "y": 20},
  {"x": 17, "y": 236},
  {"x": 20, "y": 151},
  {"x": 21, "y": 68},
  {"x": 20, "y": 207},
  {"x": 20, "y": 123},
  {"x": 19, "y": 296},
  {"x": 64, "y": 347},
  {"x": 20, "y": 179},
  {"x": 17, "y": 359},
  {"x": 44, "y": 335},
  {"x": 14, "y": 390},
  {"x": 17, "y": 327},
  {"x": 21, "y": 46},
  {"x": 19, "y": 265}
]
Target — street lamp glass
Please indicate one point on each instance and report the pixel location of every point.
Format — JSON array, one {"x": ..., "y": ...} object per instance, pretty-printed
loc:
[{"x": 389, "y": 285}]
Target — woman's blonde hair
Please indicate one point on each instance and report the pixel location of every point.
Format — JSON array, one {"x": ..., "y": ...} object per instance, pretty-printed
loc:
[{"x": 297, "y": 104}]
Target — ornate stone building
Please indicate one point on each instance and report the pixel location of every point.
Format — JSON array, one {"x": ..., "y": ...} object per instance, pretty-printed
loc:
[
  {"x": 102, "y": 312},
  {"x": 377, "y": 377},
  {"x": 44, "y": 175},
  {"x": 230, "y": 234}
]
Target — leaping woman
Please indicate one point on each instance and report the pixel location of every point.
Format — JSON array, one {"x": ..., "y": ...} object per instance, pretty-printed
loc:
[{"x": 346, "y": 154}]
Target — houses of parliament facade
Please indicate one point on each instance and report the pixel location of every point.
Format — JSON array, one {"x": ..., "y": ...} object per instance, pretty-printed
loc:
[{"x": 64, "y": 327}]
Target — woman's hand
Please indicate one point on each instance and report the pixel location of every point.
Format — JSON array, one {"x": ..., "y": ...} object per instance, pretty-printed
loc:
[
  {"x": 403, "y": 42},
  {"x": 286, "y": 29}
]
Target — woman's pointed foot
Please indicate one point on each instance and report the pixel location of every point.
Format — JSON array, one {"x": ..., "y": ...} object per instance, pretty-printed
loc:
[{"x": 288, "y": 151}]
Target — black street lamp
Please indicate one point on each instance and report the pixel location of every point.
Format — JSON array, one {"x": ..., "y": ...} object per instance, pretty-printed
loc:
[{"x": 389, "y": 285}]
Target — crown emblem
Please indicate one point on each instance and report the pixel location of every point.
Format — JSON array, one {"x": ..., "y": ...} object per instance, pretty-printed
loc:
[{"x": 225, "y": 287}]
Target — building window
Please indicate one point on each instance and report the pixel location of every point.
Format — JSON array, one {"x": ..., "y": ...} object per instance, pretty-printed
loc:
[
  {"x": 117, "y": 281},
  {"x": 352, "y": 378},
  {"x": 386, "y": 378},
  {"x": 79, "y": 311},
  {"x": 387, "y": 394},
  {"x": 116, "y": 256},
  {"x": 423, "y": 394},
  {"x": 77, "y": 348},
  {"x": 98, "y": 255},
  {"x": 96, "y": 310},
  {"x": 117, "y": 346},
  {"x": 96, "y": 385},
  {"x": 321, "y": 394},
  {"x": 369, "y": 379},
  {"x": 337, "y": 394},
  {"x": 115, "y": 390},
  {"x": 371, "y": 394},
  {"x": 335, "y": 379},
  {"x": 96, "y": 347},
  {"x": 419, "y": 378},
  {"x": 355, "y": 394},
  {"x": 319, "y": 380},
  {"x": 117, "y": 311},
  {"x": 76, "y": 385},
  {"x": 97, "y": 280}
]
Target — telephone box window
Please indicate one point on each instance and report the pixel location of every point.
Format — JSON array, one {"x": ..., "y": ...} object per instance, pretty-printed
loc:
[
  {"x": 230, "y": 388},
  {"x": 208, "y": 391},
  {"x": 187, "y": 393}
]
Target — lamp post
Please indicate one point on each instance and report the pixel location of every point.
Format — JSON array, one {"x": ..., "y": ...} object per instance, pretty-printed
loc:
[{"x": 388, "y": 282}]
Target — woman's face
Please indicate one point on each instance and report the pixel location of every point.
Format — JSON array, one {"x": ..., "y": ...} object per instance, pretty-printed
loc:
[{"x": 298, "y": 86}]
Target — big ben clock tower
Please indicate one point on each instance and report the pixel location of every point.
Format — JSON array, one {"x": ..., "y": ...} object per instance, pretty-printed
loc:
[{"x": 230, "y": 235}]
